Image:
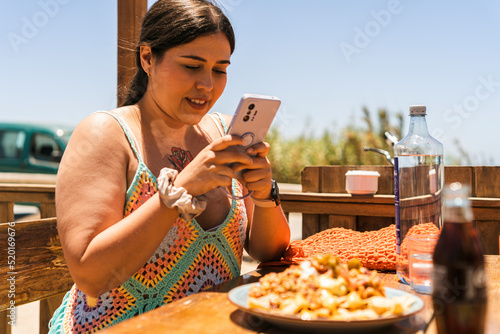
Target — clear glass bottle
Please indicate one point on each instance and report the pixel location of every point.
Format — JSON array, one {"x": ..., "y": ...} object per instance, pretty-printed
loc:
[
  {"x": 459, "y": 280},
  {"x": 418, "y": 181}
]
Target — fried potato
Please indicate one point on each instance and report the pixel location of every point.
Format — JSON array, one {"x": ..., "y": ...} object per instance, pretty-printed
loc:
[{"x": 326, "y": 288}]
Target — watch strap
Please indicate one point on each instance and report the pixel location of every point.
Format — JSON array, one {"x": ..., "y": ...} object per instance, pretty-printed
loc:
[
  {"x": 264, "y": 203},
  {"x": 269, "y": 203}
]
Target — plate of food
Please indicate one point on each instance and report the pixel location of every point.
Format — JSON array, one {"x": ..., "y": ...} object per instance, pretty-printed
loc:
[{"x": 324, "y": 294}]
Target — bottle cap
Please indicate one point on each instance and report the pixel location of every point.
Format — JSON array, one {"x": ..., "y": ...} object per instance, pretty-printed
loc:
[
  {"x": 418, "y": 110},
  {"x": 456, "y": 194}
]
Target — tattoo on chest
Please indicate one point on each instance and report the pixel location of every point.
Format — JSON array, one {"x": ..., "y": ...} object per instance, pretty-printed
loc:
[{"x": 180, "y": 158}]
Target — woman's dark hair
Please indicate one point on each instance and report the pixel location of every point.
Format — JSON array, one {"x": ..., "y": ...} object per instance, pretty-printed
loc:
[{"x": 169, "y": 23}]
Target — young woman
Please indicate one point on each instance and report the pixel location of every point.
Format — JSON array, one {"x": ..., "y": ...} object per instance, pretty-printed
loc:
[{"x": 142, "y": 214}]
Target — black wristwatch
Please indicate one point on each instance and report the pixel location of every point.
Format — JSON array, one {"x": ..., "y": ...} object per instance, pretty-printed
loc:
[
  {"x": 270, "y": 203},
  {"x": 275, "y": 192}
]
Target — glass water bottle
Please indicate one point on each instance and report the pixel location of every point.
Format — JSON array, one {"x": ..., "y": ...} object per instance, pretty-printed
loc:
[{"x": 418, "y": 181}]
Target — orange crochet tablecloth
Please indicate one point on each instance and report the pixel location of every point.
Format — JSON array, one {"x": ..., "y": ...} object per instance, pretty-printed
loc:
[{"x": 375, "y": 249}]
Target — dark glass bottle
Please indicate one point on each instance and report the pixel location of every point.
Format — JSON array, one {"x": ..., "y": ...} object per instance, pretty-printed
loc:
[{"x": 459, "y": 279}]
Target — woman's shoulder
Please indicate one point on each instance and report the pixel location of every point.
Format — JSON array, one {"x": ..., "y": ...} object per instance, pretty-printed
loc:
[
  {"x": 103, "y": 121},
  {"x": 219, "y": 118},
  {"x": 227, "y": 118},
  {"x": 215, "y": 124},
  {"x": 98, "y": 131}
]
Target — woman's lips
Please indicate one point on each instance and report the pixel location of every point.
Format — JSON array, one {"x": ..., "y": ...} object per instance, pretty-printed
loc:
[{"x": 198, "y": 104}]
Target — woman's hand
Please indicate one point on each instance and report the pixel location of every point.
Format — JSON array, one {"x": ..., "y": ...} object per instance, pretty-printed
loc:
[
  {"x": 257, "y": 176},
  {"x": 211, "y": 167}
]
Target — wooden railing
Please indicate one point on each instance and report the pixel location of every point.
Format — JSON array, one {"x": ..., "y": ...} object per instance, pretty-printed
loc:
[
  {"x": 43, "y": 195},
  {"x": 325, "y": 203},
  {"x": 36, "y": 189}
]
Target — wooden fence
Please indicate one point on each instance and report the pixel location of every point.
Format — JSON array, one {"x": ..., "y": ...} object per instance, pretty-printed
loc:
[{"x": 325, "y": 203}]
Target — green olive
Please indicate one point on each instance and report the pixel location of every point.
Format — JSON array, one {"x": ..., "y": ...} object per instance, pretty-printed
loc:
[{"x": 354, "y": 264}]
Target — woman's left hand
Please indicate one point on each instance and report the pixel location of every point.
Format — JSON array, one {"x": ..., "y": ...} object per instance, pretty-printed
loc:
[{"x": 257, "y": 176}]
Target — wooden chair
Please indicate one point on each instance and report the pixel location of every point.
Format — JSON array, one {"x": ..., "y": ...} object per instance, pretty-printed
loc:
[
  {"x": 324, "y": 202},
  {"x": 36, "y": 264}
]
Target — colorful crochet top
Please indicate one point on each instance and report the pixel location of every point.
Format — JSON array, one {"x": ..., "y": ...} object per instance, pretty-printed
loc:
[{"x": 188, "y": 260}]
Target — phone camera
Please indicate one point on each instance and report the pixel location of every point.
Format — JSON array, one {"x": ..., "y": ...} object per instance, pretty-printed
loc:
[
  {"x": 246, "y": 118},
  {"x": 251, "y": 106}
]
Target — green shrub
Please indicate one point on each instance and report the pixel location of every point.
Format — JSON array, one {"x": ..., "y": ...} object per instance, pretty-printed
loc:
[
  {"x": 345, "y": 147},
  {"x": 289, "y": 156}
]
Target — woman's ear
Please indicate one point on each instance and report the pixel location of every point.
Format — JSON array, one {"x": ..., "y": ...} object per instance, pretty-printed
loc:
[{"x": 146, "y": 58}]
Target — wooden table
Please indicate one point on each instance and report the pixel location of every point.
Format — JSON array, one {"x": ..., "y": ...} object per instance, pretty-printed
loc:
[{"x": 211, "y": 311}]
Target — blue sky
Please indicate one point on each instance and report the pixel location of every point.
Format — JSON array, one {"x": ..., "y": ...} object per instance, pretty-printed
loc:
[{"x": 325, "y": 59}]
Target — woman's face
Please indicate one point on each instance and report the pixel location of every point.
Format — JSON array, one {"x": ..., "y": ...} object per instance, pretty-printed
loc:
[{"x": 189, "y": 78}]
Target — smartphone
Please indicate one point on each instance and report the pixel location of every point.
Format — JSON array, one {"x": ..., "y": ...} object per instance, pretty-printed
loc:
[{"x": 253, "y": 118}]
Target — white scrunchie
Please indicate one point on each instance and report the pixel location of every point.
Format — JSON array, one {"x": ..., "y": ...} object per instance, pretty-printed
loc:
[{"x": 178, "y": 197}]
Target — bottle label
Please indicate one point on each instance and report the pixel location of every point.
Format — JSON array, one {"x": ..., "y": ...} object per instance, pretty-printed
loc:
[
  {"x": 396, "y": 202},
  {"x": 466, "y": 283}
]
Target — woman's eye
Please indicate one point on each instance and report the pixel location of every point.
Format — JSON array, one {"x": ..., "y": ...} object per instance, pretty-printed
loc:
[
  {"x": 196, "y": 68},
  {"x": 220, "y": 71},
  {"x": 193, "y": 68}
]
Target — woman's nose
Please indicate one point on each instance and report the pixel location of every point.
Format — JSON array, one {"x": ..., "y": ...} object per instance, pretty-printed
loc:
[{"x": 205, "y": 82}]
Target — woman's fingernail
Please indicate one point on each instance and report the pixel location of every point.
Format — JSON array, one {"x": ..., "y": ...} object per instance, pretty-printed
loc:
[{"x": 250, "y": 150}]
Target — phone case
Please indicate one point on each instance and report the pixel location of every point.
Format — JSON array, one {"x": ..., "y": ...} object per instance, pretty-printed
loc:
[{"x": 253, "y": 117}]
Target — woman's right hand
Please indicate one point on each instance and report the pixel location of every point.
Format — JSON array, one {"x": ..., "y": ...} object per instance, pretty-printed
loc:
[{"x": 214, "y": 166}]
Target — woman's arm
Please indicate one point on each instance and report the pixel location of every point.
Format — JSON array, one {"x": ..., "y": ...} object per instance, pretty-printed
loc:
[
  {"x": 102, "y": 248},
  {"x": 268, "y": 233}
]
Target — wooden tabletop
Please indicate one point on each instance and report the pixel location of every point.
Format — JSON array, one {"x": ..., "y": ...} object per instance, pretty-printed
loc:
[{"x": 212, "y": 312}]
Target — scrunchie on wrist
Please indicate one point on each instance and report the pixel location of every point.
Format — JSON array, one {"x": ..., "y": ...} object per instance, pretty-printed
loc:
[{"x": 178, "y": 197}]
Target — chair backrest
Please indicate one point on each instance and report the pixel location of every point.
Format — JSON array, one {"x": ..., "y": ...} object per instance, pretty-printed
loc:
[{"x": 34, "y": 268}]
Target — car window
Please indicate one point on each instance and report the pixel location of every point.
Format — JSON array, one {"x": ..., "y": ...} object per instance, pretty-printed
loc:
[
  {"x": 44, "y": 147},
  {"x": 11, "y": 144}
]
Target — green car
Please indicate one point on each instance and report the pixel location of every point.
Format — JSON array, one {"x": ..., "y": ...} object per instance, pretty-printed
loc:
[{"x": 32, "y": 148}]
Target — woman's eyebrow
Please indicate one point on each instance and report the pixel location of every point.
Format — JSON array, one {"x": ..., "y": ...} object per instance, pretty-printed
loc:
[{"x": 204, "y": 60}]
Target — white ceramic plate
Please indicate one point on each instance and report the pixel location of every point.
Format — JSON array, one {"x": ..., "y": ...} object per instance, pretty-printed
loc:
[{"x": 239, "y": 296}]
